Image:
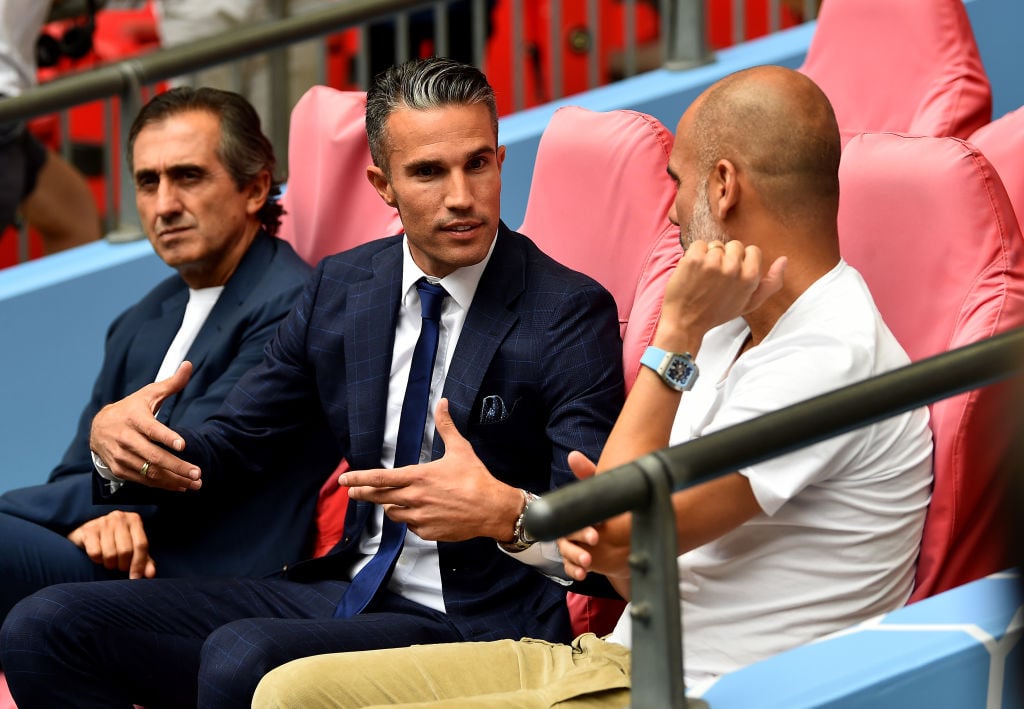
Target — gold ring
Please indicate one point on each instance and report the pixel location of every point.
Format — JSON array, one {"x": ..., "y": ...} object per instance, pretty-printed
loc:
[
  {"x": 716, "y": 245},
  {"x": 144, "y": 470}
]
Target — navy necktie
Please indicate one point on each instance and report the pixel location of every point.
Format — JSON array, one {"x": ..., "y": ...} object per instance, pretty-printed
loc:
[{"x": 407, "y": 450}]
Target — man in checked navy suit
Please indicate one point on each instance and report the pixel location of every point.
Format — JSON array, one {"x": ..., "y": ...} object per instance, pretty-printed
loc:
[
  {"x": 214, "y": 223},
  {"x": 527, "y": 369}
]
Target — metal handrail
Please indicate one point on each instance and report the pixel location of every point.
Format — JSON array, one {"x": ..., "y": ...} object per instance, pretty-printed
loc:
[
  {"x": 645, "y": 485},
  {"x": 119, "y": 77}
]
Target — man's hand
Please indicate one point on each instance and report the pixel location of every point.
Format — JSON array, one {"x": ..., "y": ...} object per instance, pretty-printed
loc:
[
  {"x": 450, "y": 499},
  {"x": 117, "y": 541},
  {"x": 714, "y": 283},
  {"x": 128, "y": 438},
  {"x": 603, "y": 548}
]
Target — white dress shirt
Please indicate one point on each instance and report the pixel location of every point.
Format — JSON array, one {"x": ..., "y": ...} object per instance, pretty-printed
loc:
[
  {"x": 417, "y": 574},
  {"x": 200, "y": 304}
]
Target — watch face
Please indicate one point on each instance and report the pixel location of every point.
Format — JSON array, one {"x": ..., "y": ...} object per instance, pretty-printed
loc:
[{"x": 679, "y": 370}]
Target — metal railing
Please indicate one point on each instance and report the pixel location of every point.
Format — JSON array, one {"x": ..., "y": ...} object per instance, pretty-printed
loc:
[
  {"x": 121, "y": 85},
  {"x": 645, "y": 487}
]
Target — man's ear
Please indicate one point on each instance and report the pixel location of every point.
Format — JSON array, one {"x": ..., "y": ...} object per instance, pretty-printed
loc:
[
  {"x": 257, "y": 193},
  {"x": 723, "y": 188},
  {"x": 382, "y": 184}
]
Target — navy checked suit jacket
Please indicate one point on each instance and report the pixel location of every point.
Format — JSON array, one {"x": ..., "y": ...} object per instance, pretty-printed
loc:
[
  {"x": 542, "y": 337},
  {"x": 246, "y": 532}
]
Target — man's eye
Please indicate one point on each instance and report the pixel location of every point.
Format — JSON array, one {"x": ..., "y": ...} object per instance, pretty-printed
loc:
[
  {"x": 477, "y": 163},
  {"x": 424, "y": 171}
]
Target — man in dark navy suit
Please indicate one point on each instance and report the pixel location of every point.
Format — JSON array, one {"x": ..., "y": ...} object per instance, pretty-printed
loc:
[
  {"x": 527, "y": 369},
  {"x": 204, "y": 174}
]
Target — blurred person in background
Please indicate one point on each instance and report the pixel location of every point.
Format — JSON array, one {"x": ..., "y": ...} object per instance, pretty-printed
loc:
[{"x": 35, "y": 182}]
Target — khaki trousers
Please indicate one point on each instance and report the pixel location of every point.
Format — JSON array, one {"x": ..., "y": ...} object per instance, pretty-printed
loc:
[{"x": 524, "y": 674}]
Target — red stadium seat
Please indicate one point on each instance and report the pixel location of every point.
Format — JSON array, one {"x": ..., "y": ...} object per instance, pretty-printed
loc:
[
  {"x": 1002, "y": 142},
  {"x": 599, "y": 203},
  {"x": 929, "y": 225},
  {"x": 900, "y": 65}
]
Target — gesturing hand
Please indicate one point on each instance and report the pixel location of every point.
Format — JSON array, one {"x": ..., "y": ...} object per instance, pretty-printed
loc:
[
  {"x": 450, "y": 499},
  {"x": 129, "y": 440},
  {"x": 603, "y": 547},
  {"x": 117, "y": 541}
]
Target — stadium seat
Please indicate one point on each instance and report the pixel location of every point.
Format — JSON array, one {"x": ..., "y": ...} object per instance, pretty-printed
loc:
[
  {"x": 1002, "y": 142},
  {"x": 6, "y": 702},
  {"x": 910, "y": 66},
  {"x": 928, "y": 224},
  {"x": 599, "y": 203},
  {"x": 330, "y": 205}
]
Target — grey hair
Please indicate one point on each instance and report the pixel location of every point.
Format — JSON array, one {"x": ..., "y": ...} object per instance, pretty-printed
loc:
[{"x": 422, "y": 84}]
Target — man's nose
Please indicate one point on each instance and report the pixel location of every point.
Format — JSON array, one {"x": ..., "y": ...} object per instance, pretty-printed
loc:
[
  {"x": 460, "y": 193},
  {"x": 167, "y": 200}
]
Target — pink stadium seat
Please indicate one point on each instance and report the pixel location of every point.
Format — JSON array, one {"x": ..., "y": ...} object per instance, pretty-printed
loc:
[
  {"x": 598, "y": 203},
  {"x": 1002, "y": 142},
  {"x": 330, "y": 206},
  {"x": 929, "y": 225},
  {"x": 900, "y": 65},
  {"x": 6, "y": 702}
]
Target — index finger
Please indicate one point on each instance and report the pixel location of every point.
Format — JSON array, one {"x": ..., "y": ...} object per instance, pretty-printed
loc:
[{"x": 379, "y": 478}]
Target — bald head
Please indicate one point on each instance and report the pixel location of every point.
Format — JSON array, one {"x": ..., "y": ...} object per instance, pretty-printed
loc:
[{"x": 776, "y": 125}]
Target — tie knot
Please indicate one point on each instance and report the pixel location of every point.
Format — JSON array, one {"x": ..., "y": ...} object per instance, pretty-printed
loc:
[{"x": 431, "y": 298}]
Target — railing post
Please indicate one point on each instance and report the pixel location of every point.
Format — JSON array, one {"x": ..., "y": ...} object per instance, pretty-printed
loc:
[
  {"x": 127, "y": 227},
  {"x": 278, "y": 88},
  {"x": 687, "y": 37},
  {"x": 657, "y": 630}
]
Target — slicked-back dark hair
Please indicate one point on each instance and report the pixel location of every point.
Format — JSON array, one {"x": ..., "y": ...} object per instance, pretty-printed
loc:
[
  {"x": 422, "y": 84},
  {"x": 244, "y": 150}
]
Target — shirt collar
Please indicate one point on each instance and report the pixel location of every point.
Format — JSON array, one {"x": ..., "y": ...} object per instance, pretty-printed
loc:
[{"x": 461, "y": 284}]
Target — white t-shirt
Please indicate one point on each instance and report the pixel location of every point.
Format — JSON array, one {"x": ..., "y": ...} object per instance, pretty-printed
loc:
[
  {"x": 840, "y": 528},
  {"x": 20, "y": 24}
]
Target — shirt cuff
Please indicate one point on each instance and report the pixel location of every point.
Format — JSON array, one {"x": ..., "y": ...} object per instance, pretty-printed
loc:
[
  {"x": 543, "y": 556},
  {"x": 106, "y": 473}
]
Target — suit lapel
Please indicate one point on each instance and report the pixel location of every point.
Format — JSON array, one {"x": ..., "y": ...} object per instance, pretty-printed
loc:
[
  {"x": 487, "y": 324},
  {"x": 372, "y": 308},
  {"x": 242, "y": 282},
  {"x": 148, "y": 348}
]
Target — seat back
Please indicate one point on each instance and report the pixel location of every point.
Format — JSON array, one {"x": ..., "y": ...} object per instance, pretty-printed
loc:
[
  {"x": 928, "y": 224},
  {"x": 1002, "y": 142},
  {"x": 900, "y": 65},
  {"x": 598, "y": 203},
  {"x": 329, "y": 204}
]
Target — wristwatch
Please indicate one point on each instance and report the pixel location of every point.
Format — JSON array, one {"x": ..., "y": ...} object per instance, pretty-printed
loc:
[
  {"x": 678, "y": 371},
  {"x": 520, "y": 539}
]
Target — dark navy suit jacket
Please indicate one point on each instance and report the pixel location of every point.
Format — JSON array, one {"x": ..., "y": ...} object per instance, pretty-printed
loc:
[
  {"x": 542, "y": 337},
  {"x": 247, "y": 531}
]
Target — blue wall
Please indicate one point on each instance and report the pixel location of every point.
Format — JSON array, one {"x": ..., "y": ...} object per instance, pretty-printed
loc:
[{"x": 55, "y": 311}]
